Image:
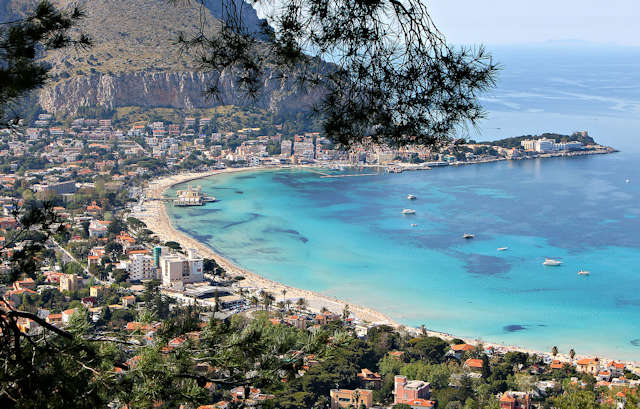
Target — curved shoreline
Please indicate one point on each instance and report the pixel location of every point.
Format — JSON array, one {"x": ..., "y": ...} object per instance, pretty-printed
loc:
[{"x": 160, "y": 223}]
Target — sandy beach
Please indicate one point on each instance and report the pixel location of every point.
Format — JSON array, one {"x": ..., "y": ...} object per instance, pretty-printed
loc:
[{"x": 157, "y": 220}]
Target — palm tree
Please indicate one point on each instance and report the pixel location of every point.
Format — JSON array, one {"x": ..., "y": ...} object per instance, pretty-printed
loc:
[
  {"x": 554, "y": 351},
  {"x": 288, "y": 304},
  {"x": 280, "y": 305},
  {"x": 284, "y": 294},
  {"x": 267, "y": 299},
  {"x": 572, "y": 353},
  {"x": 324, "y": 310},
  {"x": 301, "y": 303},
  {"x": 346, "y": 313},
  {"x": 254, "y": 301}
]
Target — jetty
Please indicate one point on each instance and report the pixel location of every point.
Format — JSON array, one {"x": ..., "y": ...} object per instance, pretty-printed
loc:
[{"x": 192, "y": 197}]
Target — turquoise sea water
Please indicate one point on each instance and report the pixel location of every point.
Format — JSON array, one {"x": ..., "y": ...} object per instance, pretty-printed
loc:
[{"x": 346, "y": 237}]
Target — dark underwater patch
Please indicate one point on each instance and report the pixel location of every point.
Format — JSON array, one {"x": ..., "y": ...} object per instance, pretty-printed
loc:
[
  {"x": 289, "y": 232},
  {"x": 485, "y": 265},
  {"x": 252, "y": 217},
  {"x": 514, "y": 328},
  {"x": 635, "y": 342},
  {"x": 239, "y": 192},
  {"x": 533, "y": 290},
  {"x": 245, "y": 177},
  {"x": 266, "y": 251},
  {"x": 621, "y": 302}
]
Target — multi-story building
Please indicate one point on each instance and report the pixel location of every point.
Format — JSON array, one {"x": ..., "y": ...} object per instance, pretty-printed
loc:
[
  {"x": 70, "y": 282},
  {"x": 409, "y": 392},
  {"x": 141, "y": 267},
  {"x": 285, "y": 147},
  {"x": 569, "y": 146},
  {"x": 58, "y": 188},
  {"x": 528, "y": 144},
  {"x": 189, "y": 122},
  {"x": 545, "y": 145},
  {"x": 345, "y": 398},
  {"x": 178, "y": 270},
  {"x": 299, "y": 148},
  {"x": 515, "y": 400}
]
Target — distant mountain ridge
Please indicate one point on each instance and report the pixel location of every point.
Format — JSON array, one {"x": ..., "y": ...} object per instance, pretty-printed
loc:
[{"x": 135, "y": 62}]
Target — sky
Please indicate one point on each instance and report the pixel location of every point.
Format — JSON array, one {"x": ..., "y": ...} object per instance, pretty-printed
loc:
[
  {"x": 536, "y": 21},
  {"x": 498, "y": 22}
]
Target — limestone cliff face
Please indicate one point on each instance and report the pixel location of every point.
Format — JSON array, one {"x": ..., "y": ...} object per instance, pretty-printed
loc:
[
  {"x": 182, "y": 90},
  {"x": 134, "y": 60}
]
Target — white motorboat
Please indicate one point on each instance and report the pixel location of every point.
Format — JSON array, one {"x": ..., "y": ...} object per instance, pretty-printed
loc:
[
  {"x": 503, "y": 248},
  {"x": 583, "y": 273},
  {"x": 411, "y": 197},
  {"x": 468, "y": 236},
  {"x": 408, "y": 211},
  {"x": 551, "y": 262}
]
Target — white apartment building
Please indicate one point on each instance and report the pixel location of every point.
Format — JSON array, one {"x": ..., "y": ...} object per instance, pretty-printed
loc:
[
  {"x": 545, "y": 145},
  {"x": 528, "y": 144},
  {"x": 549, "y": 145},
  {"x": 141, "y": 267},
  {"x": 178, "y": 270}
]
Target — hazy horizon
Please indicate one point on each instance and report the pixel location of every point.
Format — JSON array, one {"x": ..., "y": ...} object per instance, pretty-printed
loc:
[{"x": 506, "y": 22}]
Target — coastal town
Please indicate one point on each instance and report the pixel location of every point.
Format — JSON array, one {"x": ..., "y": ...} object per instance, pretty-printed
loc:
[{"x": 115, "y": 264}]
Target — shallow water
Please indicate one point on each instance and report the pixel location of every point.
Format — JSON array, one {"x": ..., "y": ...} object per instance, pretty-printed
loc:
[{"x": 346, "y": 237}]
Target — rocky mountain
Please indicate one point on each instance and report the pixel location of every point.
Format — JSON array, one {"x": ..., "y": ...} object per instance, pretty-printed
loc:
[{"x": 135, "y": 62}]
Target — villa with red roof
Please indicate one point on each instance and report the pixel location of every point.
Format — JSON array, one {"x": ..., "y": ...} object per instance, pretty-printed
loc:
[
  {"x": 515, "y": 400},
  {"x": 474, "y": 364}
]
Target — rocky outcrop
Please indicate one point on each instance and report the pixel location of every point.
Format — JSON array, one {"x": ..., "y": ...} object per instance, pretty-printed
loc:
[{"x": 182, "y": 90}]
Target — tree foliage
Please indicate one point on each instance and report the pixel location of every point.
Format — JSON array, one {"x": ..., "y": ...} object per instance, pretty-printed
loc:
[
  {"x": 23, "y": 40},
  {"x": 385, "y": 72}
]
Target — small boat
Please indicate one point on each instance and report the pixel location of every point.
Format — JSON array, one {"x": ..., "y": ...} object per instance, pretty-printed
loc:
[
  {"x": 411, "y": 197},
  {"x": 503, "y": 248},
  {"x": 468, "y": 236},
  {"x": 583, "y": 273},
  {"x": 408, "y": 211},
  {"x": 413, "y": 225},
  {"x": 551, "y": 262},
  {"x": 628, "y": 180}
]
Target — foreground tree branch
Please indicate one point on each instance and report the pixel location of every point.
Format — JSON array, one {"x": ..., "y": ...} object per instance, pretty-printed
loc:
[{"x": 385, "y": 73}]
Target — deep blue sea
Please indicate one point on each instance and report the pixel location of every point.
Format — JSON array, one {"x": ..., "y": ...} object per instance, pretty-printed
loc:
[{"x": 346, "y": 237}]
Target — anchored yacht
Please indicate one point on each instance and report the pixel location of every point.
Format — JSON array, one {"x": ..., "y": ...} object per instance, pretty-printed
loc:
[{"x": 551, "y": 262}]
